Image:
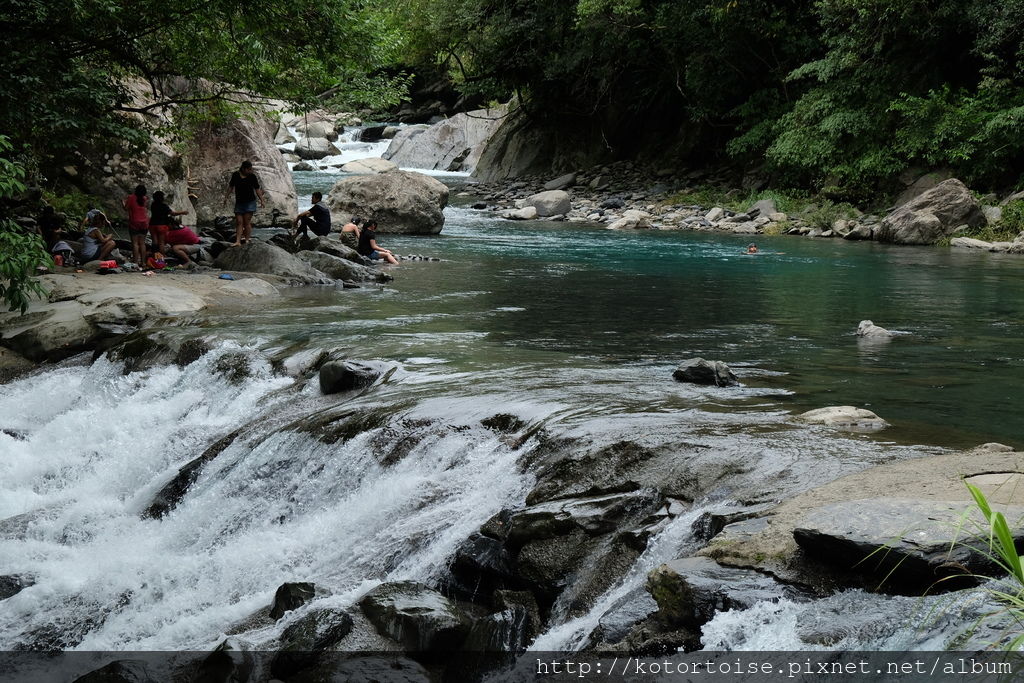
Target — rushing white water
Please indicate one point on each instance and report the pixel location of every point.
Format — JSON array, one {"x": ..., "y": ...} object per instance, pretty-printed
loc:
[{"x": 90, "y": 446}]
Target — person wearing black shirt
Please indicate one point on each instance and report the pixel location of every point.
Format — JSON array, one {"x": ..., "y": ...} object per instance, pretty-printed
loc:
[
  {"x": 317, "y": 218},
  {"x": 246, "y": 187},
  {"x": 368, "y": 246},
  {"x": 160, "y": 220}
]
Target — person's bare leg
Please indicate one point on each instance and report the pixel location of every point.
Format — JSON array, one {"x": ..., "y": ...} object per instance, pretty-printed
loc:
[
  {"x": 248, "y": 226},
  {"x": 139, "y": 250},
  {"x": 391, "y": 258},
  {"x": 239, "y": 228},
  {"x": 105, "y": 250},
  {"x": 180, "y": 252}
]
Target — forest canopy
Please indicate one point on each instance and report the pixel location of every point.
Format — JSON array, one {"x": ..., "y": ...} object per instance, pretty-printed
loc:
[{"x": 846, "y": 93}]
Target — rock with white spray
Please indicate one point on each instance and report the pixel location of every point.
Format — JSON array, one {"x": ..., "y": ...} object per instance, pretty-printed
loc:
[{"x": 869, "y": 330}]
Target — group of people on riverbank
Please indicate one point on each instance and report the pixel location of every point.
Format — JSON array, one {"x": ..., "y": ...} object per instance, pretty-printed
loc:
[
  {"x": 357, "y": 234},
  {"x": 153, "y": 217}
]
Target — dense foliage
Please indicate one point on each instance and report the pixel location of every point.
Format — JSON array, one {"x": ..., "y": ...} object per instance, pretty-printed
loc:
[
  {"x": 20, "y": 250},
  {"x": 80, "y": 72},
  {"x": 833, "y": 94},
  {"x": 845, "y": 93}
]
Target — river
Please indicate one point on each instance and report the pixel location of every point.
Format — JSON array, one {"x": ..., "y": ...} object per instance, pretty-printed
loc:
[{"x": 573, "y": 329}]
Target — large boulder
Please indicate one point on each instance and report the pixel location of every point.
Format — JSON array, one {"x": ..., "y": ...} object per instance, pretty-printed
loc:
[
  {"x": 318, "y": 129},
  {"x": 315, "y": 148},
  {"x": 453, "y": 144},
  {"x": 420, "y": 618},
  {"x": 632, "y": 219},
  {"x": 401, "y": 201},
  {"x": 217, "y": 152},
  {"x": 337, "y": 376},
  {"x": 932, "y": 216},
  {"x": 548, "y": 203},
  {"x": 260, "y": 257},
  {"x": 340, "y": 268}
]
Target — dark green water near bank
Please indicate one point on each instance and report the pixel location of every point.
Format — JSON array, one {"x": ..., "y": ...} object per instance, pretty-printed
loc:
[{"x": 532, "y": 300}]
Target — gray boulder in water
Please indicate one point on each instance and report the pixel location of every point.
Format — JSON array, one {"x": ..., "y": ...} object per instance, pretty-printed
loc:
[
  {"x": 700, "y": 371},
  {"x": 418, "y": 617},
  {"x": 342, "y": 269},
  {"x": 400, "y": 201},
  {"x": 935, "y": 214},
  {"x": 260, "y": 257}
]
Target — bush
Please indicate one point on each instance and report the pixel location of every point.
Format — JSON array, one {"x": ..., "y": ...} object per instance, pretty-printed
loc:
[{"x": 20, "y": 251}]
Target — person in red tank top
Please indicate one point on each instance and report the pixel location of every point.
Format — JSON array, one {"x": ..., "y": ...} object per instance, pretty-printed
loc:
[{"x": 136, "y": 205}]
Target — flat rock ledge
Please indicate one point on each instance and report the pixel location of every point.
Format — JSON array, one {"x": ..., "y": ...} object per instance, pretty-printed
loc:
[{"x": 925, "y": 493}]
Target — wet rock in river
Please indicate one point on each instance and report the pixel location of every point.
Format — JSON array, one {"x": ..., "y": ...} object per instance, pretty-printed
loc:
[
  {"x": 868, "y": 329},
  {"x": 707, "y": 372},
  {"x": 341, "y": 268},
  {"x": 417, "y": 616},
  {"x": 262, "y": 257},
  {"x": 690, "y": 591},
  {"x": 337, "y": 376},
  {"x": 304, "y": 640},
  {"x": 12, "y": 584},
  {"x": 402, "y": 201},
  {"x": 844, "y": 417},
  {"x": 291, "y": 596},
  {"x": 168, "y": 497},
  {"x": 549, "y": 203}
]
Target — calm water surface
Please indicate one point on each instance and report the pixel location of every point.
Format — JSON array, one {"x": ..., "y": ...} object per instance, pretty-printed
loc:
[{"x": 518, "y": 299}]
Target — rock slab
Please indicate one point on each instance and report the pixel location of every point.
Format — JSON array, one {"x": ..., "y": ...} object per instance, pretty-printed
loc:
[{"x": 932, "y": 216}]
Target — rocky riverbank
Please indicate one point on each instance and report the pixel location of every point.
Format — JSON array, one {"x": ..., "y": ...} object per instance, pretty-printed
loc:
[{"x": 623, "y": 196}]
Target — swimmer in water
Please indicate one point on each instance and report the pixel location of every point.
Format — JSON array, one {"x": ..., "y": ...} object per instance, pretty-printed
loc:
[{"x": 751, "y": 248}]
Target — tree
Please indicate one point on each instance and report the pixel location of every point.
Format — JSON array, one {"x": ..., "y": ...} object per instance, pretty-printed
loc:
[
  {"x": 71, "y": 66},
  {"x": 20, "y": 251}
]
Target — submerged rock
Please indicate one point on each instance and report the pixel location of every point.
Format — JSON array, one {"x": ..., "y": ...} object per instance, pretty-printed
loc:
[{"x": 707, "y": 372}]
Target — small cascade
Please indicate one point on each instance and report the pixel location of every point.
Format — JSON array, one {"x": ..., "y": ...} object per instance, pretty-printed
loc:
[{"x": 86, "y": 456}]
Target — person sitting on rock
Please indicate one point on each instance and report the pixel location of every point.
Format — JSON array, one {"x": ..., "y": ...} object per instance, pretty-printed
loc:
[
  {"x": 368, "y": 246},
  {"x": 184, "y": 244},
  {"x": 317, "y": 218},
  {"x": 96, "y": 245},
  {"x": 350, "y": 233}
]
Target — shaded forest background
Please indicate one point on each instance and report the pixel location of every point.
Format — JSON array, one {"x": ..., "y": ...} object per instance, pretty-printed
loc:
[{"x": 835, "y": 95}]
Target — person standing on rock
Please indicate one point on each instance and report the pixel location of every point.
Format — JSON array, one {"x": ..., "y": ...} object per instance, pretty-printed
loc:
[
  {"x": 317, "y": 218},
  {"x": 350, "y": 233},
  {"x": 246, "y": 187},
  {"x": 136, "y": 204},
  {"x": 368, "y": 246}
]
